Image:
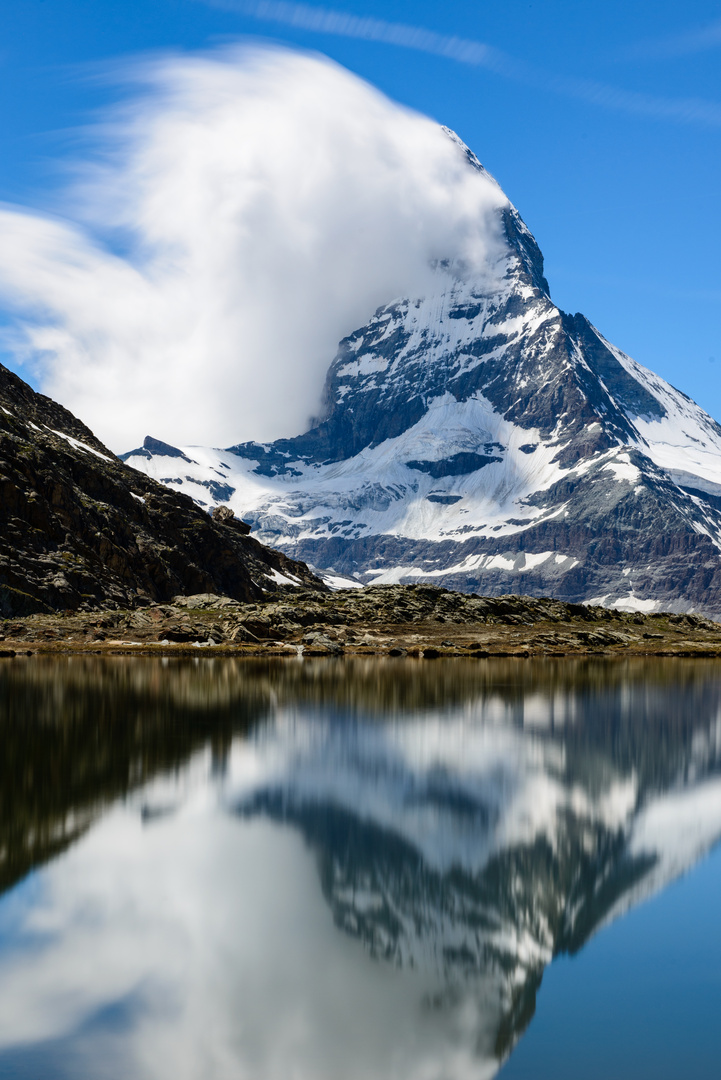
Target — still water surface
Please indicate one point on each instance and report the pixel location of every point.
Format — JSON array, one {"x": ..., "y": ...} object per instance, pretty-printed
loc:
[{"x": 372, "y": 869}]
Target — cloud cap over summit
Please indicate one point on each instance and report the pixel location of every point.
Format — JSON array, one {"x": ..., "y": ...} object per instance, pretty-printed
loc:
[{"x": 242, "y": 211}]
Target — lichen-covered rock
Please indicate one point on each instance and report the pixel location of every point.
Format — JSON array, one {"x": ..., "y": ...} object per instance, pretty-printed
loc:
[{"x": 316, "y": 643}]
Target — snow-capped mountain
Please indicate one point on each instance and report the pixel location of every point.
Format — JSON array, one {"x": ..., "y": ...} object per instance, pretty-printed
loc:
[{"x": 481, "y": 438}]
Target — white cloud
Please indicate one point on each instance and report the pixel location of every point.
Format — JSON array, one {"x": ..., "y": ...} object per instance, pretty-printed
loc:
[
  {"x": 264, "y": 202},
  {"x": 208, "y": 939}
]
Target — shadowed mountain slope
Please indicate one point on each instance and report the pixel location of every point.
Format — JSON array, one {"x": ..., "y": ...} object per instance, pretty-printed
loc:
[{"x": 80, "y": 529}]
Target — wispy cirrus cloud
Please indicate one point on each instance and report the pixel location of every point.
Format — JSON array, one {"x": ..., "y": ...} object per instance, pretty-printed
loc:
[
  {"x": 684, "y": 110},
  {"x": 687, "y": 43},
  {"x": 366, "y": 28}
]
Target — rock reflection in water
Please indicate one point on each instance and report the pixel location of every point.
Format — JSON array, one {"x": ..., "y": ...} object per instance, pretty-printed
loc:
[{"x": 468, "y": 821}]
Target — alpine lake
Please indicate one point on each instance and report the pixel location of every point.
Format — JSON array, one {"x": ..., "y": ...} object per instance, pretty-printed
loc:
[{"x": 345, "y": 869}]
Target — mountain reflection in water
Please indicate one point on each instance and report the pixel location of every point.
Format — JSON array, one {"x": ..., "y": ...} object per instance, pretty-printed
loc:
[{"x": 206, "y": 828}]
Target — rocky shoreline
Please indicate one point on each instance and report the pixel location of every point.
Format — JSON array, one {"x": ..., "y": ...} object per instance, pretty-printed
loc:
[{"x": 393, "y": 620}]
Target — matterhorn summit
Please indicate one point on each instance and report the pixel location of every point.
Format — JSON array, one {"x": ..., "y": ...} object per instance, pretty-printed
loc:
[{"x": 480, "y": 438}]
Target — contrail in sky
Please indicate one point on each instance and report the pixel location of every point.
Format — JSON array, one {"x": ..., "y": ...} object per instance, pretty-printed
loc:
[{"x": 474, "y": 53}]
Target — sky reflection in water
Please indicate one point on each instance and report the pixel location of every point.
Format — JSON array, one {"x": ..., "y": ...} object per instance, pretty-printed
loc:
[{"x": 314, "y": 870}]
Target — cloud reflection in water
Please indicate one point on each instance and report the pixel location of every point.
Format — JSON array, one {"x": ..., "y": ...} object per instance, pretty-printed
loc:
[{"x": 193, "y": 930}]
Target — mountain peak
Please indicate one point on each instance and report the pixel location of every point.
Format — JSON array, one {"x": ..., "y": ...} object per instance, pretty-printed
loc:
[
  {"x": 479, "y": 437},
  {"x": 468, "y": 153},
  {"x": 520, "y": 238}
]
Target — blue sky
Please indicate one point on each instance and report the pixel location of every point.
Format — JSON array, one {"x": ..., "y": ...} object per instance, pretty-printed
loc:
[{"x": 601, "y": 122}]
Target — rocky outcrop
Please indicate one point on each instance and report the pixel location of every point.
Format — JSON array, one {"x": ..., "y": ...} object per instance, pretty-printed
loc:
[
  {"x": 382, "y": 620},
  {"x": 80, "y": 529}
]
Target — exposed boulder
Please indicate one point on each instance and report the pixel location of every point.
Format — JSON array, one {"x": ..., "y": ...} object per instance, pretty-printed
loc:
[{"x": 223, "y": 515}]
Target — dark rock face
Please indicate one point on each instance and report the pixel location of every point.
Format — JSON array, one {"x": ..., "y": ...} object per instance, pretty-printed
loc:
[
  {"x": 80, "y": 529},
  {"x": 157, "y": 446},
  {"x": 456, "y": 465},
  {"x": 481, "y": 438}
]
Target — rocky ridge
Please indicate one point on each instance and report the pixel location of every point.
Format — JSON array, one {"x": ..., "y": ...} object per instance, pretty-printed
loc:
[
  {"x": 81, "y": 530},
  {"x": 384, "y": 620}
]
